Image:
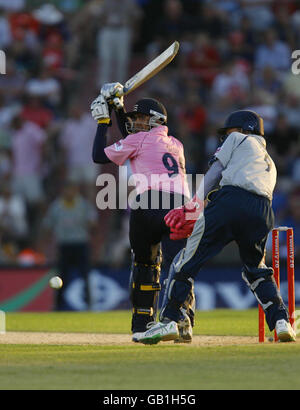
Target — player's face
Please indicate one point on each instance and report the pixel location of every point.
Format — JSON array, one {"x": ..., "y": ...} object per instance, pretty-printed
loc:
[{"x": 138, "y": 122}]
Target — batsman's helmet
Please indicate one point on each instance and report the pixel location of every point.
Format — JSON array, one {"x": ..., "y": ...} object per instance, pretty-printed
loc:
[
  {"x": 246, "y": 120},
  {"x": 151, "y": 107}
]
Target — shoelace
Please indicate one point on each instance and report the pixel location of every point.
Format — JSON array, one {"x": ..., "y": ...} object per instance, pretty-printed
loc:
[{"x": 150, "y": 324}]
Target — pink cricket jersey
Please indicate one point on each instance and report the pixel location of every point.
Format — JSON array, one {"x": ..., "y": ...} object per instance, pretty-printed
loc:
[{"x": 156, "y": 159}]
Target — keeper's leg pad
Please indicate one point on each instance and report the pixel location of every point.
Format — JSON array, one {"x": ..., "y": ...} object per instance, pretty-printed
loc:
[
  {"x": 262, "y": 283},
  {"x": 189, "y": 304},
  {"x": 178, "y": 292},
  {"x": 144, "y": 289}
]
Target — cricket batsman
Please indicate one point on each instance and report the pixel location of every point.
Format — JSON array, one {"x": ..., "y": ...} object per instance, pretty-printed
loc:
[
  {"x": 241, "y": 211},
  {"x": 151, "y": 152}
]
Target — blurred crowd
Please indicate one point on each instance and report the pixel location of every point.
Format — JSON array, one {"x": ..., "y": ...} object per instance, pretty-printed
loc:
[{"x": 234, "y": 54}]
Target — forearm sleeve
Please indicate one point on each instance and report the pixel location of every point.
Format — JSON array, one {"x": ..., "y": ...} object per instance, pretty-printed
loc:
[{"x": 99, "y": 155}]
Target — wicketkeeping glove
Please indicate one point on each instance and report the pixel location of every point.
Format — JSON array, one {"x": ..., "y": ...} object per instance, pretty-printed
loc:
[
  {"x": 177, "y": 218},
  {"x": 183, "y": 232}
]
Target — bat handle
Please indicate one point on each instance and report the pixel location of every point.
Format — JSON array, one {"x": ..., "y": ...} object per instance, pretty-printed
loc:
[
  {"x": 121, "y": 93},
  {"x": 118, "y": 94}
]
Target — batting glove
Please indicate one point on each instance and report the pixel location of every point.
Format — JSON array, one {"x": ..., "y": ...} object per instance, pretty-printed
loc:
[
  {"x": 100, "y": 110},
  {"x": 112, "y": 92}
]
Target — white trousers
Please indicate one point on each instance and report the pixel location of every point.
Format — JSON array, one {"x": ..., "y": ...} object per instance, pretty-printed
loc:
[{"x": 114, "y": 46}]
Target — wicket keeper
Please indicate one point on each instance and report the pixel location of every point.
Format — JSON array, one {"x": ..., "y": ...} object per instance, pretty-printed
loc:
[{"x": 241, "y": 211}]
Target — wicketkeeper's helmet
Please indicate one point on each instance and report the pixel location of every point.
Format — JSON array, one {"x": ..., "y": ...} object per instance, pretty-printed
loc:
[{"x": 246, "y": 120}]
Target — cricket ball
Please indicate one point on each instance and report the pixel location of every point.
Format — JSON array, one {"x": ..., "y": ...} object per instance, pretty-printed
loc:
[{"x": 55, "y": 282}]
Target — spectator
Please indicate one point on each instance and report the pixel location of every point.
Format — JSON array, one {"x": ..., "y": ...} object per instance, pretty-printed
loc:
[
  {"x": 265, "y": 104},
  {"x": 218, "y": 109},
  {"x": 292, "y": 218},
  {"x": 283, "y": 139},
  {"x": 76, "y": 142},
  {"x": 193, "y": 115},
  {"x": 284, "y": 136},
  {"x": 23, "y": 54},
  {"x": 56, "y": 38},
  {"x": 225, "y": 6},
  {"x": 232, "y": 81},
  {"x": 12, "y": 5},
  {"x": 13, "y": 222},
  {"x": 35, "y": 112},
  {"x": 295, "y": 23},
  {"x": 259, "y": 13},
  {"x": 12, "y": 83},
  {"x": 191, "y": 122},
  {"x": 53, "y": 53},
  {"x": 290, "y": 107},
  {"x": 45, "y": 85},
  {"x": 5, "y": 162},
  {"x": 203, "y": 61},
  {"x": 117, "y": 22},
  {"x": 291, "y": 84},
  {"x": 295, "y": 168},
  {"x": 211, "y": 21},
  {"x": 51, "y": 20},
  {"x": 268, "y": 80},
  {"x": 211, "y": 141},
  {"x": 7, "y": 111},
  {"x": 24, "y": 26},
  {"x": 282, "y": 25},
  {"x": 29, "y": 256},
  {"x": 164, "y": 86},
  {"x": 173, "y": 22},
  {"x": 70, "y": 219},
  {"x": 8, "y": 250},
  {"x": 273, "y": 53},
  {"x": 249, "y": 39},
  {"x": 238, "y": 48},
  {"x": 28, "y": 142},
  {"x": 5, "y": 31},
  {"x": 118, "y": 248}
]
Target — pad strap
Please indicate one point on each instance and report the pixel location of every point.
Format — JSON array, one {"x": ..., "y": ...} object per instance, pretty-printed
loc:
[
  {"x": 147, "y": 286},
  {"x": 143, "y": 311}
]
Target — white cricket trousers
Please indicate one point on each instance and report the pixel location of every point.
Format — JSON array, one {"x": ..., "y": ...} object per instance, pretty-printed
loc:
[{"x": 114, "y": 47}]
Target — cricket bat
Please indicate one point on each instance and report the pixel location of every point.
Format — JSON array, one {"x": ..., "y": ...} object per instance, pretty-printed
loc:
[{"x": 150, "y": 69}]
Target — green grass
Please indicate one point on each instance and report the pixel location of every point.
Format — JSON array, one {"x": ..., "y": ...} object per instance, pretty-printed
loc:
[
  {"x": 161, "y": 367},
  {"x": 216, "y": 322}
]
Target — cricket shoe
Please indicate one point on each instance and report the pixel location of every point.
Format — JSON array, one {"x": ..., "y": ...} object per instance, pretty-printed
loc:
[
  {"x": 285, "y": 332},
  {"x": 185, "y": 330},
  {"x": 160, "y": 332},
  {"x": 136, "y": 337}
]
